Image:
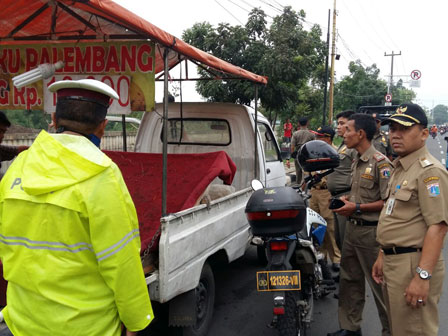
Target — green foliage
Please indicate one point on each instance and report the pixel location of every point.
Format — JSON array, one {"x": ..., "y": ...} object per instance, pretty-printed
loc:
[
  {"x": 440, "y": 114},
  {"x": 28, "y": 118},
  {"x": 290, "y": 56},
  {"x": 363, "y": 87}
]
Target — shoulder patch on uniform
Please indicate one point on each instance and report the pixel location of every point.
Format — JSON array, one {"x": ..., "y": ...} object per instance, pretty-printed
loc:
[
  {"x": 385, "y": 172},
  {"x": 431, "y": 178},
  {"x": 378, "y": 157},
  {"x": 425, "y": 162},
  {"x": 433, "y": 189},
  {"x": 384, "y": 165}
]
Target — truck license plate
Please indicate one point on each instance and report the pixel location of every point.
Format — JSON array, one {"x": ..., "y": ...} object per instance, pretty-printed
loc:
[{"x": 268, "y": 281}]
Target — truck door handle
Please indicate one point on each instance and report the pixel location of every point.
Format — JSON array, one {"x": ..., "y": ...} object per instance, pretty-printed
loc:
[{"x": 268, "y": 171}]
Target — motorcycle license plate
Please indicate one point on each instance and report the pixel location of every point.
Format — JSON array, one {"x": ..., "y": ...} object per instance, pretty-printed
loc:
[{"x": 268, "y": 281}]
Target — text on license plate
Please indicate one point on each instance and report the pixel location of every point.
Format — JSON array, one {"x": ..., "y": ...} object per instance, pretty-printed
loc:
[{"x": 278, "y": 280}]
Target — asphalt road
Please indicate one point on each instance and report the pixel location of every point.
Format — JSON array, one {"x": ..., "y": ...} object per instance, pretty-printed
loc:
[{"x": 241, "y": 310}]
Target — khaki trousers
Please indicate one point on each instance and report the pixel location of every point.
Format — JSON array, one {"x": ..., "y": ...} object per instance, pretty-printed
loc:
[
  {"x": 359, "y": 253},
  {"x": 340, "y": 222},
  {"x": 320, "y": 199},
  {"x": 398, "y": 272}
]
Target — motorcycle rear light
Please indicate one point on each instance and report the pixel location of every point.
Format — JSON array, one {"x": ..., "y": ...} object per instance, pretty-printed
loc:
[
  {"x": 272, "y": 215},
  {"x": 279, "y": 311},
  {"x": 279, "y": 245}
]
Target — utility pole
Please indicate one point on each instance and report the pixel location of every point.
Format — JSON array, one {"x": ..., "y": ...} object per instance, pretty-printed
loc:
[
  {"x": 333, "y": 53},
  {"x": 389, "y": 88},
  {"x": 326, "y": 70}
]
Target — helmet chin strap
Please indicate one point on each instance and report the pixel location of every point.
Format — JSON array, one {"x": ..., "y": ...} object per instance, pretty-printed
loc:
[{"x": 92, "y": 137}]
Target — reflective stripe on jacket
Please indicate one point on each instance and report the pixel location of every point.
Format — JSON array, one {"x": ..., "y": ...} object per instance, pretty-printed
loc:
[{"x": 69, "y": 243}]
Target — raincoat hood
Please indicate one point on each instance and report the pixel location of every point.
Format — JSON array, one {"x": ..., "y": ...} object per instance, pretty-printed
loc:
[{"x": 57, "y": 161}]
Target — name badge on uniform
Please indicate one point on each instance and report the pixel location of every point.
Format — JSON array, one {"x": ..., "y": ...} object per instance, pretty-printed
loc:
[{"x": 390, "y": 205}]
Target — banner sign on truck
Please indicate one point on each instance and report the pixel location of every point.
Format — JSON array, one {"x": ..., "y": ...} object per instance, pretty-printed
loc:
[{"x": 128, "y": 67}]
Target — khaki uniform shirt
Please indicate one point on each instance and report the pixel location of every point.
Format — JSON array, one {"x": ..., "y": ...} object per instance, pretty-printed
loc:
[
  {"x": 341, "y": 178},
  {"x": 301, "y": 137},
  {"x": 381, "y": 142},
  {"x": 418, "y": 197},
  {"x": 371, "y": 172}
]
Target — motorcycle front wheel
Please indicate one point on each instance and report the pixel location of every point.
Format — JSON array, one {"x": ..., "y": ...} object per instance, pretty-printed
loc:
[{"x": 290, "y": 324}]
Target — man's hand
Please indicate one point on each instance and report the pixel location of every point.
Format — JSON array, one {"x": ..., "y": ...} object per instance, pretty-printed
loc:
[
  {"x": 348, "y": 209},
  {"x": 377, "y": 269},
  {"x": 418, "y": 289}
]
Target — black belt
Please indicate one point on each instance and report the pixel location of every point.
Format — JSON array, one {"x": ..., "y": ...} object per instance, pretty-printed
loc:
[
  {"x": 401, "y": 250},
  {"x": 334, "y": 193},
  {"x": 362, "y": 222}
]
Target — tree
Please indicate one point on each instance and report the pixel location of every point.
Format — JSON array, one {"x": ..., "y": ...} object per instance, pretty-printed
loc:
[
  {"x": 290, "y": 56},
  {"x": 363, "y": 87},
  {"x": 440, "y": 114}
]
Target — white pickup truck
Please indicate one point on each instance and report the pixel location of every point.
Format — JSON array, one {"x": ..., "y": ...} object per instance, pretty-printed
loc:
[{"x": 194, "y": 240}]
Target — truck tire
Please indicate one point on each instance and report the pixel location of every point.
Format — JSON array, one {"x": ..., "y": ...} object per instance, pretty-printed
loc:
[
  {"x": 290, "y": 324},
  {"x": 205, "y": 300}
]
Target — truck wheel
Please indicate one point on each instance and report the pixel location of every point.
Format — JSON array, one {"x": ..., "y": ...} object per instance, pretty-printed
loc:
[{"x": 205, "y": 300}]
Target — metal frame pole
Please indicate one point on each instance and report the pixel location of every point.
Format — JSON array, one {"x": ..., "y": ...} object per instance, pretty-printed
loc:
[
  {"x": 165, "y": 135},
  {"x": 256, "y": 134},
  {"x": 123, "y": 125}
]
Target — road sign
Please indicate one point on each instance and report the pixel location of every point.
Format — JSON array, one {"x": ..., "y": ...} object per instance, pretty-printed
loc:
[
  {"x": 416, "y": 74},
  {"x": 388, "y": 98}
]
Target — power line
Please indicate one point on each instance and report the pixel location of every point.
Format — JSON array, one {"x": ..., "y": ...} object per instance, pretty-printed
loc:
[
  {"x": 229, "y": 12},
  {"x": 244, "y": 9},
  {"x": 361, "y": 27}
]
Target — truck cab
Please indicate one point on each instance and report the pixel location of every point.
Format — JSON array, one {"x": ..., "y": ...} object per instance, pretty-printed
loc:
[{"x": 209, "y": 127}]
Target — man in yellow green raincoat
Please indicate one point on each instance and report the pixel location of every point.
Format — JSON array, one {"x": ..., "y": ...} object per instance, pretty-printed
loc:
[{"x": 69, "y": 237}]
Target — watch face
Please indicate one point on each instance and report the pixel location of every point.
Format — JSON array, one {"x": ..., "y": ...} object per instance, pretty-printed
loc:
[{"x": 424, "y": 274}]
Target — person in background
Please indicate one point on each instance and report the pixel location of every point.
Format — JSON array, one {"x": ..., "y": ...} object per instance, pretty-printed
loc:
[
  {"x": 300, "y": 137},
  {"x": 339, "y": 182},
  {"x": 380, "y": 139},
  {"x": 371, "y": 172},
  {"x": 7, "y": 152},
  {"x": 70, "y": 242},
  {"x": 412, "y": 228},
  {"x": 320, "y": 199},
  {"x": 287, "y": 131}
]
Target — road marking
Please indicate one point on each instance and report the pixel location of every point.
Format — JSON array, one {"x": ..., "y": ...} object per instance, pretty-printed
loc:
[
  {"x": 440, "y": 146},
  {"x": 441, "y": 152},
  {"x": 443, "y": 161}
]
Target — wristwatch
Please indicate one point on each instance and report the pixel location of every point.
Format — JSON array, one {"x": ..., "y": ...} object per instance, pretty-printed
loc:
[
  {"x": 358, "y": 209},
  {"x": 424, "y": 275}
]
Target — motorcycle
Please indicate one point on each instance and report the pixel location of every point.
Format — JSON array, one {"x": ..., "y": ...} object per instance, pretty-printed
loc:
[{"x": 290, "y": 234}]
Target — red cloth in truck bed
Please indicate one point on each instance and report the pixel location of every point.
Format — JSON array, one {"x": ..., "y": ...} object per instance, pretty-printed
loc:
[{"x": 188, "y": 177}]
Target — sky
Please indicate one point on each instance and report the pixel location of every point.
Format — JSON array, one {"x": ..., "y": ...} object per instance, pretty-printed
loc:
[{"x": 366, "y": 30}]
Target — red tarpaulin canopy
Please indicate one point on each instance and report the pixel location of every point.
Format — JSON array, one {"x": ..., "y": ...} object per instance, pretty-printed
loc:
[{"x": 56, "y": 21}]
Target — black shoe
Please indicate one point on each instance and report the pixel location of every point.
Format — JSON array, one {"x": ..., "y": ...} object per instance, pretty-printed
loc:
[
  {"x": 344, "y": 332},
  {"x": 336, "y": 278}
]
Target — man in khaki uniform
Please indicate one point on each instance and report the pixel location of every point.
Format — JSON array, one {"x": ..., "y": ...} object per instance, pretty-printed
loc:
[
  {"x": 412, "y": 227},
  {"x": 371, "y": 172},
  {"x": 380, "y": 139},
  {"x": 339, "y": 182},
  {"x": 320, "y": 199},
  {"x": 300, "y": 137}
]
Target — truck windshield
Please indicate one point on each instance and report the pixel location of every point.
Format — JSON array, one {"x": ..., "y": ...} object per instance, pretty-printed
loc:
[{"x": 213, "y": 132}]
